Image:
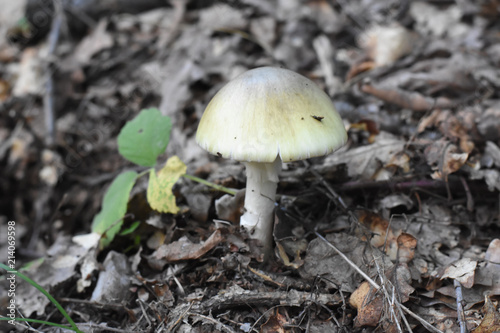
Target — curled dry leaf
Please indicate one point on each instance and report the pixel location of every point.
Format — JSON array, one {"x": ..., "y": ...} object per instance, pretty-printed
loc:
[
  {"x": 364, "y": 161},
  {"x": 369, "y": 305},
  {"x": 370, "y": 302},
  {"x": 491, "y": 320},
  {"x": 230, "y": 207},
  {"x": 452, "y": 160},
  {"x": 451, "y": 127},
  {"x": 321, "y": 260},
  {"x": 114, "y": 281},
  {"x": 395, "y": 200},
  {"x": 462, "y": 270},
  {"x": 275, "y": 324},
  {"x": 184, "y": 249},
  {"x": 445, "y": 157},
  {"x": 407, "y": 245},
  {"x": 489, "y": 274},
  {"x": 382, "y": 233}
]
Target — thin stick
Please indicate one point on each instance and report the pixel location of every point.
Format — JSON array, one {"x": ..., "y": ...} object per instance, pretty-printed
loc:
[
  {"x": 213, "y": 320},
  {"x": 460, "y": 306},
  {"x": 209, "y": 184}
]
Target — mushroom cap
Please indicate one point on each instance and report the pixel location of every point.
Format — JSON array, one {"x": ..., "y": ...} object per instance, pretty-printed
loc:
[{"x": 268, "y": 112}]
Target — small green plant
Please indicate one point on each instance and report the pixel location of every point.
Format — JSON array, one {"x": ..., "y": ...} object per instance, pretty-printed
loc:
[
  {"x": 72, "y": 326},
  {"x": 141, "y": 141}
]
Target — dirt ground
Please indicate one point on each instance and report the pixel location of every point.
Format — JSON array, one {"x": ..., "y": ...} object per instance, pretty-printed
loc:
[{"x": 397, "y": 231}]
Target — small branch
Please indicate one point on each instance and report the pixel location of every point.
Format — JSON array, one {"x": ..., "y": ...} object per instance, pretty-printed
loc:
[
  {"x": 209, "y": 184},
  {"x": 460, "y": 306},
  {"x": 406, "y": 99},
  {"x": 212, "y": 320},
  {"x": 48, "y": 100}
]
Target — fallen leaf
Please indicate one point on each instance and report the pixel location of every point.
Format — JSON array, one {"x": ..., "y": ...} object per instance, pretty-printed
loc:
[
  {"x": 462, "y": 271},
  {"x": 114, "y": 280},
  {"x": 274, "y": 324},
  {"x": 184, "y": 249},
  {"x": 407, "y": 245},
  {"x": 160, "y": 195},
  {"x": 321, "y": 260},
  {"x": 491, "y": 320}
]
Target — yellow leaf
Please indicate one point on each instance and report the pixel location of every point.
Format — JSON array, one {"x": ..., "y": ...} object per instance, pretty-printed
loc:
[{"x": 160, "y": 196}]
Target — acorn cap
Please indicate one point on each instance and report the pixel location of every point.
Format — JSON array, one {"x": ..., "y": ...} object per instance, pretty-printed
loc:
[{"x": 268, "y": 112}]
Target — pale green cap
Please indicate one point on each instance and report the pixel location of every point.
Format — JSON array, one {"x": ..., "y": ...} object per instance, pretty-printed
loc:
[{"x": 266, "y": 112}]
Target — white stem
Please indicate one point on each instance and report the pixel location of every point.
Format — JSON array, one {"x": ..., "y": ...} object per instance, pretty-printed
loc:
[{"x": 262, "y": 180}]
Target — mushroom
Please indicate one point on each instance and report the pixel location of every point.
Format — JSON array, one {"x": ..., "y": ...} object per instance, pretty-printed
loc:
[{"x": 262, "y": 118}]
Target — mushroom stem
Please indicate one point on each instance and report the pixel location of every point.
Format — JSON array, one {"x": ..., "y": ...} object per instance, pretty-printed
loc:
[{"x": 262, "y": 180}]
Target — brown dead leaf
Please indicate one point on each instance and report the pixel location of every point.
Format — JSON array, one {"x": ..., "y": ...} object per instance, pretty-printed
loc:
[
  {"x": 322, "y": 260},
  {"x": 359, "y": 68},
  {"x": 400, "y": 160},
  {"x": 462, "y": 271},
  {"x": 282, "y": 253},
  {"x": 489, "y": 274},
  {"x": 429, "y": 121},
  {"x": 491, "y": 320},
  {"x": 445, "y": 157},
  {"x": 382, "y": 234},
  {"x": 230, "y": 207},
  {"x": 4, "y": 90},
  {"x": 451, "y": 127},
  {"x": 364, "y": 162},
  {"x": 406, "y": 247},
  {"x": 369, "y": 305},
  {"x": 401, "y": 278},
  {"x": 184, "y": 249},
  {"x": 452, "y": 160},
  {"x": 274, "y": 324}
]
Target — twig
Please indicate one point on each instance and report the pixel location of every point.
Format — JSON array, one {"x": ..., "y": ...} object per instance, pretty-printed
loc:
[
  {"x": 460, "y": 306},
  {"x": 377, "y": 287},
  {"x": 209, "y": 184},
  {"x": 353, "y": 265},
  {"x": 101, "y": 327},
  {"x": 213, "y": 320},
  {"x": 144, "y": 313},
  {"x": 48, "y": 100},
  {"x": 183, "y": 314},
  {"x": 468, "y": 194},
  {"x": 393, "y": 301}
]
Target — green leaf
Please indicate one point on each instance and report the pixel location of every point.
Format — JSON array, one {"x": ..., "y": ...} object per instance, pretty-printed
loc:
[
  {"x": 114, "y": 206},
  {"x": 160, "y": 196},
  {"x": 145, "y": 137}
]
